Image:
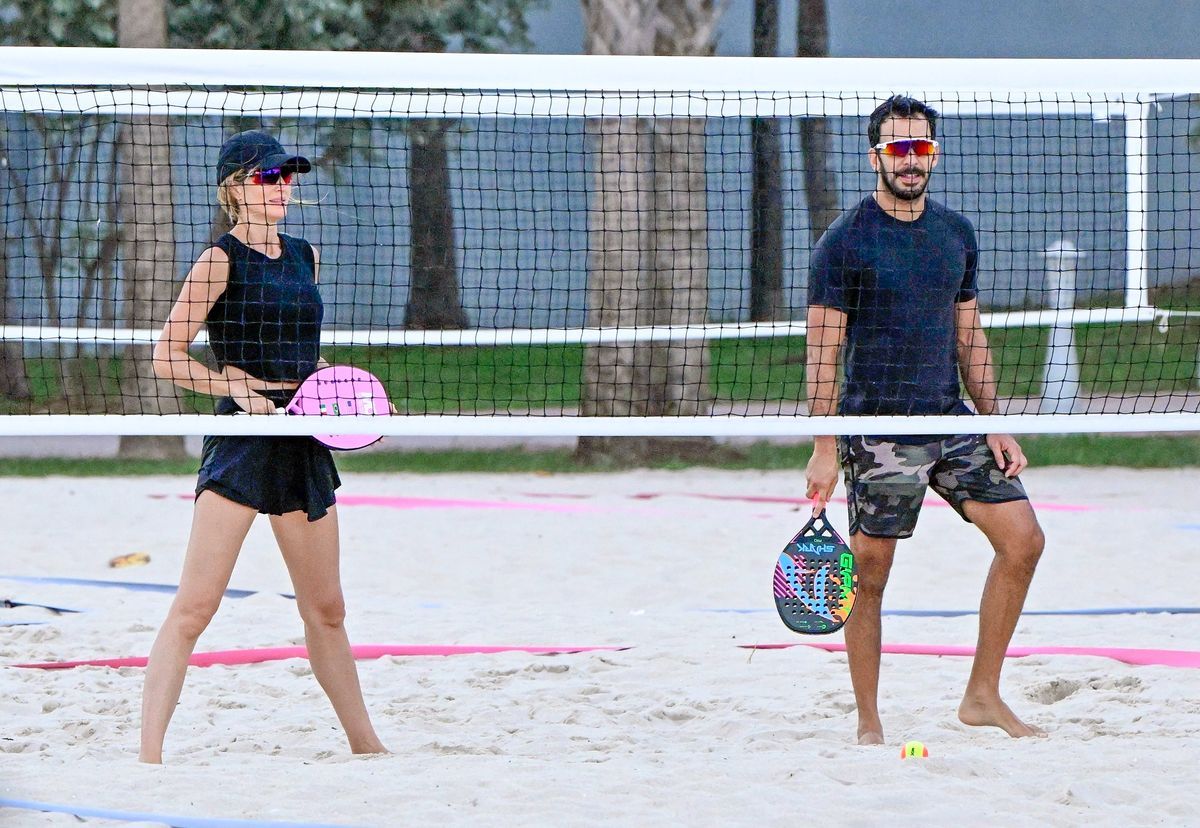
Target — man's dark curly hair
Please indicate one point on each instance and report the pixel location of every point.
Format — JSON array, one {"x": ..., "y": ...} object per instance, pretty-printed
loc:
[{"x": 900, "y": 106}]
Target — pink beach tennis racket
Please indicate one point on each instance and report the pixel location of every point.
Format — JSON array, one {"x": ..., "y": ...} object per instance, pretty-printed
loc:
[{"x": 338, "y": 391}]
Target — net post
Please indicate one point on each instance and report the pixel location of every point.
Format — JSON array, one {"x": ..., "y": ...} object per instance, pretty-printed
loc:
[
  {"x": 1060, "y": 379},
  {"x": 1137, "y": 204}
]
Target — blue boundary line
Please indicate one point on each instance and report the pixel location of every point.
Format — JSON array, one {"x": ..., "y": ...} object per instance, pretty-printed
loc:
[
  {"x": 133, "y": 585},
  {"x": 173, "y": 821},
  {"x": 9, "y": 604}
]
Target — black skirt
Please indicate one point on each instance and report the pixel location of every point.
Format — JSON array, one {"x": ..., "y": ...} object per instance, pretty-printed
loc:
[{"x": 274, "y": 475}]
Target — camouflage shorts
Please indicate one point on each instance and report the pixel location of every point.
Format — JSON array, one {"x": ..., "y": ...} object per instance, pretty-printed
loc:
[{"x": 886, "y": 481}]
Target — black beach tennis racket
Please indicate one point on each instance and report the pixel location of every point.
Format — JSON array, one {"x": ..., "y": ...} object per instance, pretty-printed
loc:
[{"x": 815, "y": 579}]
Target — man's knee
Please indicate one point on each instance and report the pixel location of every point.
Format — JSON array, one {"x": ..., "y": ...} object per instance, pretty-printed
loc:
[
  {"x": 1023, "y": 545},
  {"x": 874, "y": 558}
]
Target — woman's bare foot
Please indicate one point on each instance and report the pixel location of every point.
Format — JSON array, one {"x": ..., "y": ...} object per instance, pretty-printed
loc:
[{"x": 373, "y": 746}]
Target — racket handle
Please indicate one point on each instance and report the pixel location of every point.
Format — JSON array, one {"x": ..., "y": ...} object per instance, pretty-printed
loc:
[{"x": 818, "y": 505}]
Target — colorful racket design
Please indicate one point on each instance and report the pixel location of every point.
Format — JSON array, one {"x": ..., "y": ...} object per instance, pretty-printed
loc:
[
  {"x": 338, "y": 391},
  {"x": 815, "y": 579}
]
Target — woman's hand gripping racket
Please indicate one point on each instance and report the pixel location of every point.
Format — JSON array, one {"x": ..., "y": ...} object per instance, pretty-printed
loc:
[
  {"x": 815, "y": 578},
  {"x": 338, "y": 391}
]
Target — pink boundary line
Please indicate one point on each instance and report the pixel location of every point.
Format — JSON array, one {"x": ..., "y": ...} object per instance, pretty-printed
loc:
[
  {"x": 395, "y": 502},
  {"x": 451, "y": 503},
  {"x": 390, "y": 502},
  {"x": 361, "y": 651},
  {"x": 933, "y": 501},
  {"x": 1128, "y": 655}
]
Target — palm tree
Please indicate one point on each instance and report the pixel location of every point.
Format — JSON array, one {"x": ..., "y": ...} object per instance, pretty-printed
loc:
[
  {"x": 434, "y": 299},
  {"x": 766, "y": 196},
  {"x": 14, "y": 383},
  {"x": 648, "y": 240},
  {"x": 54, "y": 192},
  {"x": 816, "y": 139},
  {"x": 147, "y": 238}
]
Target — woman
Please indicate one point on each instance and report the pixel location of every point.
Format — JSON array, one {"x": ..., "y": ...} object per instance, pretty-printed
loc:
[{"x": 255, "y": 290}]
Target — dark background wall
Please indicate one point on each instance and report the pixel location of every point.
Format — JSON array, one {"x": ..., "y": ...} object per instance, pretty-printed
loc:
[
  {"x": 521, "y": 187},
  {"x": 948, "y": 28}
]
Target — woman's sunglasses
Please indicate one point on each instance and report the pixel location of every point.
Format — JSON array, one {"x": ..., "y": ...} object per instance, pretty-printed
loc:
[
  {"x": 274, "y": 176},
  {"x": 901, "y": 147}
]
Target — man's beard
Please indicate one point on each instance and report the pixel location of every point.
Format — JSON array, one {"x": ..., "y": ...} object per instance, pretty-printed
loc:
[{"x": 905, "y": 194}]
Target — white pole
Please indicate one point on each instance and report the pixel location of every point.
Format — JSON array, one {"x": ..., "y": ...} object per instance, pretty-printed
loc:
[
  {"x": 1137, "y": 205},
  {"x": 1060, "y": 385}
]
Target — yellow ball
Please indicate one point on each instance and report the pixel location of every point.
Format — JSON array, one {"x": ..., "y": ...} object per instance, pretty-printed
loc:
[{"x": 914, "y": 750}]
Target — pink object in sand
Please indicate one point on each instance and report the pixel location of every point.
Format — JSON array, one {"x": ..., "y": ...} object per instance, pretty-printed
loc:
[
  {"x": 1128, "y": 655},
  {"x": 392, "y": 502},
  {"x": 338, "y": 391},
  {"x": 361, "y": 651}
]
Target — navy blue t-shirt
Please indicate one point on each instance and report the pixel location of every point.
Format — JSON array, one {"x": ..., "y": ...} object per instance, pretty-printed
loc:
[
  {"x": 898, "y": 283},
  {"x": 268, "y": 320}
]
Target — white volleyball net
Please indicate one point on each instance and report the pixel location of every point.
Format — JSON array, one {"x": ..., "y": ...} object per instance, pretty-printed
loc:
[{"x": 548, "y": 245}]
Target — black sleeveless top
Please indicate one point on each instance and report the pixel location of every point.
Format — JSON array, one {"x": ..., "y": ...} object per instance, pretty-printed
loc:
[
  {"x": 268, "y": 320},
  {"x": 268, "y": 323}
]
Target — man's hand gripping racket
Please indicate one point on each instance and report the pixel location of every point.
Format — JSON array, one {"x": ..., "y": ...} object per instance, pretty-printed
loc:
[{"x": 815, "y": 578}]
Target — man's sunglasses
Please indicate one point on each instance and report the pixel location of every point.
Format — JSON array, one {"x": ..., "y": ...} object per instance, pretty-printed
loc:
[
  {"x": 273, "y": 176},
  {"x": 901, "y": 147}
]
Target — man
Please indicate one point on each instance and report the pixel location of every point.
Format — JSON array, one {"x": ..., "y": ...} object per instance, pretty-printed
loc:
[{"x": 894, "y": 282}]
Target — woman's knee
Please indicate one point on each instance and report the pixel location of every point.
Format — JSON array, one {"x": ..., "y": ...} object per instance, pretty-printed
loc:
[
  {"x": 328, "y": 612},
  {"x": 191, "y": 619}
]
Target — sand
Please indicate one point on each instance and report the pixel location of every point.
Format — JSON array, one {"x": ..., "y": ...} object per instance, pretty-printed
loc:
[{"x": 683, "y": 727}]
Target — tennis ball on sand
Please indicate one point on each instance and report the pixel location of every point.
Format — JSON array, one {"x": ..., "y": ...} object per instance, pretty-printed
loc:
[{"x": 914, "y": 750}]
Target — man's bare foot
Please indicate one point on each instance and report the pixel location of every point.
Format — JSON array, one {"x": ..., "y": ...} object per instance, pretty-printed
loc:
[
  {"x": 870, "y": 737},
  {"x": 994, "y": 713},
  {"x": 870, "y": 730}
]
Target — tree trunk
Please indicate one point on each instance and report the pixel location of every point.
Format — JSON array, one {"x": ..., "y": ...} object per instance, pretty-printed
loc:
[
  {"x": 816, "y": 137},
  {"x": 433, "y": 300},
  {"x": 147, "y": 240},
  {"x": 766, "y": 197},
  {"x": 648, "y": 246},
  {"x": 14, "y": 382}
]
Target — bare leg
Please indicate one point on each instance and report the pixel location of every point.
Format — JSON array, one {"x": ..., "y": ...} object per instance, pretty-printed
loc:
[
  {"x": 864, "y": 630},
  {"x": 1017, "y": 540},
  {"x": 219, "y": 527},
  {"x": 311, "y": 553}
]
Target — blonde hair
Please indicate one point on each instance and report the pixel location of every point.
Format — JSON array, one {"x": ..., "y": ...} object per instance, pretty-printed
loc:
[{"x": 225, "y": 199}]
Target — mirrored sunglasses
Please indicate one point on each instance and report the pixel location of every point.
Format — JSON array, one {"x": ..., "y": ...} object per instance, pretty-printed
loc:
[
  {"x": 921, "y": 147},
  {"x": 273, "y": 176}
]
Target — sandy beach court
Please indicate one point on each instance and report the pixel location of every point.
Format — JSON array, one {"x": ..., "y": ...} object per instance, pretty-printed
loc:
[{"x": 684, "y": 726}]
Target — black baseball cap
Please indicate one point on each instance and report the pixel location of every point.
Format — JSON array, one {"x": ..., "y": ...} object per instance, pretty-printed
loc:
[{"x": 256, "y": 150}]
